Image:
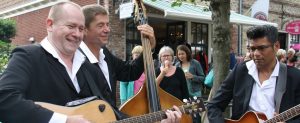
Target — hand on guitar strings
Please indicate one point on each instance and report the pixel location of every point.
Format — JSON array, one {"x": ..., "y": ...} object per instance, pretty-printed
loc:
[{"x": 173, "y": 116}]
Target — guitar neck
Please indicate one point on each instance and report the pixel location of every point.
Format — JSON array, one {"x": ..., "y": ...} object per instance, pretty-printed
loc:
[
  {"x": 147, "y": 118},
  {"x": 286, "y": 115}
]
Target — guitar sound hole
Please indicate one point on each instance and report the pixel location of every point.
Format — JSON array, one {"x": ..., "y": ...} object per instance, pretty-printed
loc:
[{"x": 101, "y": 107}]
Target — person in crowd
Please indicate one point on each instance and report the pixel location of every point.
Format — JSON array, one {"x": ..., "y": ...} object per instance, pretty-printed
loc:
[
  {"x": 297, "y": 64},
  {"x": 281, "y": 55},
  {"x": 193, "y": 73},
  {"x": 291, "y": 58},
  {"x": 169, "y": 77},
  {"x": 248, "y": 56},
  {"x": 128, "y": 89},
  {"x": 54, "y": 71},
  {"x": 233, "y": 60},
  {"x": 262, "y": 84}
]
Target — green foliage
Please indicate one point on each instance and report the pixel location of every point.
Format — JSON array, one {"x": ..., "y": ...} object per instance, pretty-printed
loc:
[
  {"x": 7, "y": 29},
  {"x": 5, "y": 50}
]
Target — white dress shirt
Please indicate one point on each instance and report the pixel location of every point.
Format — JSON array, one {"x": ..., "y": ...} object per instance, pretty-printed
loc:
[
  {"x": 101, "y": 62},
  {"x": 262, "y": 97},
  {"x": 77, "y": 62}
]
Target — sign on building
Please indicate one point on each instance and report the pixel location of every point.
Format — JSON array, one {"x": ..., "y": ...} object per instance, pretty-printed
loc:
[
  {"x": 126, "y": 10},
  {"x": 293, "y": 27}
]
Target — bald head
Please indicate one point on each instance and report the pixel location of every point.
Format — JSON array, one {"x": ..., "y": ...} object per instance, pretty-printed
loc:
[{"x": 56, "y": 11}]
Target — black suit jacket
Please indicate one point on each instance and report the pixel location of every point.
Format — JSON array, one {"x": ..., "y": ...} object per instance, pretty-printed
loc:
[
  {"x": 238, "y": 87},
  {"x": 120, "y": 70},
  {"x": 35, "y": 75}
]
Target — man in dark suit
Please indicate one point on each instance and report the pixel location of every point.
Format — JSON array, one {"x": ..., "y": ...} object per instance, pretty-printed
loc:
[
  {"x": 54, "y": 71},
  {"x": 261, "y": 84},
  {"x": 96, "y": 37}
]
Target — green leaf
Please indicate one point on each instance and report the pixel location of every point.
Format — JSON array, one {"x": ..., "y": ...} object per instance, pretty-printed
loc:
[{"x": 7, "y": 29}]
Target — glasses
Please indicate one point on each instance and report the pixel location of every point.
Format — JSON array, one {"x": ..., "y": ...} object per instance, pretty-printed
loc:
[
  {"x": 259, "y": 48},
  {"x": 165, "y": 56}
]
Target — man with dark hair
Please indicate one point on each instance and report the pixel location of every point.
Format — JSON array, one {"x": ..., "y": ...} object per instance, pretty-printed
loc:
[{"x": 262, "y": 84}]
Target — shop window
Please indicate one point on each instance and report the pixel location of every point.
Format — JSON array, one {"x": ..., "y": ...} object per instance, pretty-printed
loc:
[
  {"x": 133, "y": 37},
  {"x": 199, "y": 37},
  {"x": 295, "y": 39},
  {"x": 175, "y": 34}
]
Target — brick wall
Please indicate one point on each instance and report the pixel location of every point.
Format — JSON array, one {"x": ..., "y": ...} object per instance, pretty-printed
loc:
[
  {"x": 33, "y": 24},
  {"x": 290, "y": 7},
  {"x": 117, "y": 42}
]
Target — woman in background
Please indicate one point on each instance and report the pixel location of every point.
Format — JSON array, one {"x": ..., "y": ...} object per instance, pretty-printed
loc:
[
  {"x": 281, "y": 55},
  {"x": 193, "y": 73},
  {"x": 128, "y": 89},
  {"x": 171, "y": 78}
]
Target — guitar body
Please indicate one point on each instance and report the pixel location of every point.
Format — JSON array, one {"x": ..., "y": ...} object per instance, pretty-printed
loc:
[
  {"x": 90, "y": 111},
  {"x": 249, "y": 117},
  {"x": 138, "y": 105}
]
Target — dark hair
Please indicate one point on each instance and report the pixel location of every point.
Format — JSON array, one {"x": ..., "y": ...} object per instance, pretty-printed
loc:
[
  {"x": 90, "y": 11},
  {"x": 186, "y": 50},
  {"x": 268, "y": 31}
]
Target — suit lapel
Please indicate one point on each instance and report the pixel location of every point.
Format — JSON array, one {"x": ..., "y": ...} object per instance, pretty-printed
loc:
[
  {"x": 248, "y": 91},
  {"x": 54, "y": 64},
  {"x": 110, "y": 69},
  {"x": 280, "y": 86},
  {"x": 81, "y": 79}
]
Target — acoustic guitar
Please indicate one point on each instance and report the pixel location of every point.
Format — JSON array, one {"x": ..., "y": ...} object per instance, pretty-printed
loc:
[
  {"x": 256, "y": 117},
  {"x": 99, "y": 111}
]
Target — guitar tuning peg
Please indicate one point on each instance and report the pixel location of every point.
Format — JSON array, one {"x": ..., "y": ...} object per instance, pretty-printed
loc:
[
  {"x": 185, "y": 100},
  {"x": 195, "y": 110},
  {"x": 190, "y": 111},
  {"x": 200, "y": 109},
  {"x": 195, "y": 98}
]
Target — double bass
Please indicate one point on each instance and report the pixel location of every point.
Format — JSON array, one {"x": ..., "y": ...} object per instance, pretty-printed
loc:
[{"x": 150, "y": 98}]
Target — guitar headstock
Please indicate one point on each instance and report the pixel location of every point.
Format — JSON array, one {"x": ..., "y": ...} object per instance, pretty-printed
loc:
[
  {"x": 140, "y": 16},
  {"x": 193, "y": 106}
]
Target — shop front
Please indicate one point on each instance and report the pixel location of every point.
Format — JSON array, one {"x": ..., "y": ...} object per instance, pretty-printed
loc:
[{"x": 186, "y": 24}]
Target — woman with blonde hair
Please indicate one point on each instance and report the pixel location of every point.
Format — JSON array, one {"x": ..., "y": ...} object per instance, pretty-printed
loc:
[
  {"x": 128, "y": 89},
  {"x": 281, "y": 55}
]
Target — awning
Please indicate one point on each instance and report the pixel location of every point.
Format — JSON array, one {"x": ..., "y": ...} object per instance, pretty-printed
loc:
[{"x": 195, "y": 12}]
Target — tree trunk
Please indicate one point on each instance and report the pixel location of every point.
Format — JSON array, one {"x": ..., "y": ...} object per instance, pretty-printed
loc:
[{"x": 221, "y": 43}]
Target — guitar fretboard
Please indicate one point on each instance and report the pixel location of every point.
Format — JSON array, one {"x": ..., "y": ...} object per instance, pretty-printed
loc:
[
  {"x": 286, "y": 115},
  {"x": 148, "y": 118}
]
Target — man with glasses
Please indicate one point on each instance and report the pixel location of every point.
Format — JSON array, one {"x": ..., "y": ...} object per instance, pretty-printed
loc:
[{"x": 262, "y": 84}]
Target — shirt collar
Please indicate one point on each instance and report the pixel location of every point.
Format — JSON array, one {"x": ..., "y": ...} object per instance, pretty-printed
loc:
[
  {"x": 78, "y": 56},
  {"x": 88, "y": 53},
  {"x": 252, "y": 68},
  {"x": 102, "y": 56}
]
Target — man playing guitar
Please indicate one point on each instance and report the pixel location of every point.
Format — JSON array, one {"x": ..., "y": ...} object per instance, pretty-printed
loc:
[{"x": 262, "y": 84}]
